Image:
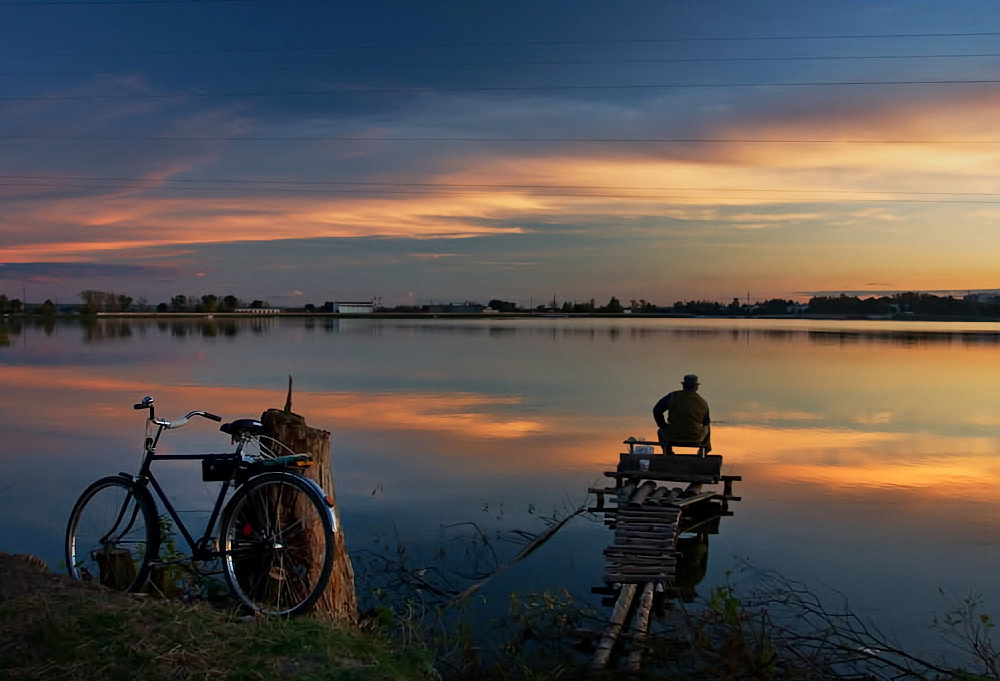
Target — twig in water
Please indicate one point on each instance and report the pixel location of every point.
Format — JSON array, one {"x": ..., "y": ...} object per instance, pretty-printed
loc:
[{"x": 526, "y": 551}]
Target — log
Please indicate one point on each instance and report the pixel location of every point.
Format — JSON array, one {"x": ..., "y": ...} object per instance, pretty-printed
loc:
[
  {"x": 339, "y": 602},
  {"x": 640, "y": 494},
  {"x": 641, "y": 628},
  {"x": 658, "y": 495},
  {"x": 603, "y": 652}
]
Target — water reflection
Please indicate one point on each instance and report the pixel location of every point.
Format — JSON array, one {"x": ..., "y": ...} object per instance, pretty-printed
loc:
[
  {"x": 868, "y": 451},
  {"x": 822, "y": 332}
]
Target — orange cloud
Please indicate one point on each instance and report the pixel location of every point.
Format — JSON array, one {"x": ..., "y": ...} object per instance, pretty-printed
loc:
[{"x": 668, "y": 185}]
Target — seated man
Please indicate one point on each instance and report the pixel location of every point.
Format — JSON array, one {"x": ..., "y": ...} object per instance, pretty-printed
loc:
[{"x": 687, "y": 422}]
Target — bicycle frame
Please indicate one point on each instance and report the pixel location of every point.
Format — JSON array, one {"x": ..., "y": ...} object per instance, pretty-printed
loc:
[{"x": 201, "y": 549}]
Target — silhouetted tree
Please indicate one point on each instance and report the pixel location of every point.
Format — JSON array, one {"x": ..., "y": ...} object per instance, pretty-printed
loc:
[
  {"x": 503, "y": 305},
  {"x": 613, "y": 306}
]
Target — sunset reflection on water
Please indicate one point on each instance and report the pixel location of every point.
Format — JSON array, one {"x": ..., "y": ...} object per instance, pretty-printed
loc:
[{"x": 867, "y": 451}]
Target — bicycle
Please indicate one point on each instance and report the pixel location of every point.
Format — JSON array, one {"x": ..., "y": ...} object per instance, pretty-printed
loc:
[{"x": 276, "y": 531}]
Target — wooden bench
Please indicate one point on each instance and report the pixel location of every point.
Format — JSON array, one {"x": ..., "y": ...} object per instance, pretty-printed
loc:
[
  {"x": 649, "y": 444},
  {"x": 677, "y": 467}
]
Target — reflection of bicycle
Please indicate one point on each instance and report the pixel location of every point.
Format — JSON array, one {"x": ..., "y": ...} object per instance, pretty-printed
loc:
[{"x": 275, "y": 534}]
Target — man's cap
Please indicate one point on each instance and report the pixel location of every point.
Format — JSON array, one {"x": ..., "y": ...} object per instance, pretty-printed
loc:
[{"x": 690, "y": 379}]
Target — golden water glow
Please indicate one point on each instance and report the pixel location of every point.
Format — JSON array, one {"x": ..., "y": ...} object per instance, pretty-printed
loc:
[{"x": 489, "y": 433}]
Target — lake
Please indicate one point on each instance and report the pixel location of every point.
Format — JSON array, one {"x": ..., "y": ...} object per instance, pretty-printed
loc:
[{"x": 868, "y": 450}]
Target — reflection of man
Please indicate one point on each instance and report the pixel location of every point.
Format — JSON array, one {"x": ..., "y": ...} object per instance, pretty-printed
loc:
[
  {"x": 686, "y": 421},
  {"x": 692, "y": 563}
]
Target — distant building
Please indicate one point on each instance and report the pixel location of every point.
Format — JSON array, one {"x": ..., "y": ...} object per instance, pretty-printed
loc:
[
  {"x": 257, "y": 310},
  {"x": 993, "y": 298},
  {"x": 353, "y": 308},
  {"x": 456, "y": 308}
]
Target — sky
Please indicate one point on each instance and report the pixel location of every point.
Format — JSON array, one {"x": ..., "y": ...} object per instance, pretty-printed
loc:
[{"x": 301, "y": 151}]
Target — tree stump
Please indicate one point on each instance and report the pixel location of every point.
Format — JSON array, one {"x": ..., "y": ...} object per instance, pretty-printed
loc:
[
  {"x": 116, "y": 567},
  {"x": 339, "y": 601}
]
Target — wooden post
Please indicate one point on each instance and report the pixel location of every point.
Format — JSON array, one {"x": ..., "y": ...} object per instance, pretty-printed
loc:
[
  {"x": 117, "y": 569},
  {"x": 339, "y": 601}
]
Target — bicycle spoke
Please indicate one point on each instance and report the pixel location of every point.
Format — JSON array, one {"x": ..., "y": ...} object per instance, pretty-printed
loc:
[
  {"x": 111, "y": 535},
  {"x": 273, "y": 535}
]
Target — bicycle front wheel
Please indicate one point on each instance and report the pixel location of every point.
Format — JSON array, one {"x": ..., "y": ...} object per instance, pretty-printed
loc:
[
  {"x": 277, "y": 544},
  {"x": 112, "y": 534}
]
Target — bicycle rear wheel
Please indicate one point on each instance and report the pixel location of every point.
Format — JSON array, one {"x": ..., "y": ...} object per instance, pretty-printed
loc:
[
  {"x": 277, "y": 544},
  {"x": 112, "y": 534}
]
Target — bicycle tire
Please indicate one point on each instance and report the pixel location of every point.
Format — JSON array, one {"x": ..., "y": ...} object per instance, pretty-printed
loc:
[
  {"x": 277, "y": 544},
  {"x": 113, "y": 534}
]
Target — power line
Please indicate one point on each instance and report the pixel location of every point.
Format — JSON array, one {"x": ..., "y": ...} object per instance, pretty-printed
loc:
[
  {"x": 501, "y": 43},
  {"x": 499, "y": 140},
  {"x": 500, "y": 89},
  {"x": 522, "y": 62}
]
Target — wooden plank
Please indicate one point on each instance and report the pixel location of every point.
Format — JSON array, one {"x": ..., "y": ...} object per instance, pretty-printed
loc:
[
  {"x": 634, "y": 661},
  {"x": 656, "y": 565},
  {"x": 617, "y": 549},
  {"x": 617, "y": 573},
  {"x": 648, "y": 509},
  {"x": 627, "y": 542},
  {"x": 630, "y": 573},
  {"x": 664, "y": 477},
  {"x": 704, "y": 496},
  {"x": 603, "y": 652},
  {"x": 667, "y": 528},
  {"x": 657, "y": 514},
  {"x": 624, "y": 578},
  {"x": 664, "y": 534},
  {"x": 642, "y": 534},
  {"x": 668, "y": 553},
  {"x": 653, "y": 541}
]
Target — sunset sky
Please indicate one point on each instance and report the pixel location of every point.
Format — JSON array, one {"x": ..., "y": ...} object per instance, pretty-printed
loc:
[{"x": 304, "y": 151}]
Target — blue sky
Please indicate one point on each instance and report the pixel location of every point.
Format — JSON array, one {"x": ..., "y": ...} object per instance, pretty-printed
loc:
[{"x": 301, "y": 152}]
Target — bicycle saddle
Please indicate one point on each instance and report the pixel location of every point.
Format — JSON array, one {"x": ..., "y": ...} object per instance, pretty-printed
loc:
[{"x": 241, "y": 426}]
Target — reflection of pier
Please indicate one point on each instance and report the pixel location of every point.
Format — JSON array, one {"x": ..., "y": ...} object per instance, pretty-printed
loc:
[{"x": 649, "y": 556}]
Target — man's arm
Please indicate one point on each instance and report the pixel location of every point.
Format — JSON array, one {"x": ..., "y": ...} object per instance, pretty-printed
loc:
[{"x": 658, "y": 410}]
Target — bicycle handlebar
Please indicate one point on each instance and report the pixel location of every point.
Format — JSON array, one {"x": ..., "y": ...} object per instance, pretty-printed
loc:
[
  {"x": 147, "y": 403},
  {"x": 177, "y": 423}
]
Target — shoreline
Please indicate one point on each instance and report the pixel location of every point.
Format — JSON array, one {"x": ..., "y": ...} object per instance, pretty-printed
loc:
[{"x": 297, "y": 314}]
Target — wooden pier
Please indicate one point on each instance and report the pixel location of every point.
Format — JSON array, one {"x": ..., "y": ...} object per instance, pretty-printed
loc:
[{"x": 656, "y": 497}]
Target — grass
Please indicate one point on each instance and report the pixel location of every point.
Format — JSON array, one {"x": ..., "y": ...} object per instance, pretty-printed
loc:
[{"x": 53, "y": 628}]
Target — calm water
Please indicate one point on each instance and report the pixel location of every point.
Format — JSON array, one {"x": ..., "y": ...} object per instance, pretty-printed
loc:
[{"x": 869, "y": 451}]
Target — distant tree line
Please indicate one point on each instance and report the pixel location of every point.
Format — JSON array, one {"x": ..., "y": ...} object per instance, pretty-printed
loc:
[{"x": 898, "y": 305}]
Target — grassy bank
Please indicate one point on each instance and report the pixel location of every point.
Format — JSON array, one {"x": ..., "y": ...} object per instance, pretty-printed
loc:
[{"x": 54, "y": 628}]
